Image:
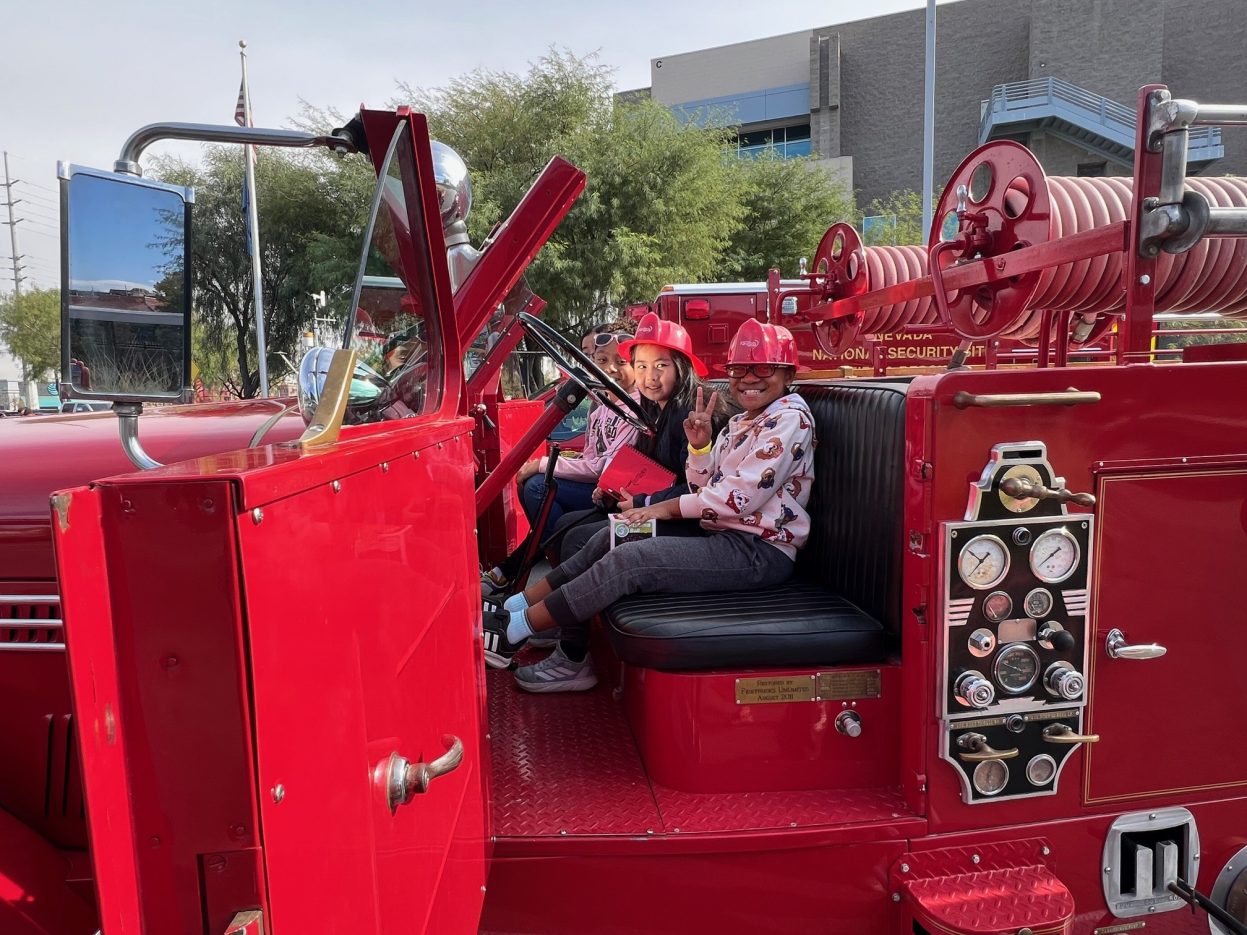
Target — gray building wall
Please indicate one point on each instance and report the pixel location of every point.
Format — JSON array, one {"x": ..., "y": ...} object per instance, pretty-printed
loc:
[{"x": 866, "y": 77}]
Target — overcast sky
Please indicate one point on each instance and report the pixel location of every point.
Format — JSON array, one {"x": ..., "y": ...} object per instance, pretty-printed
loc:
[{"x": 77, "y": 77}]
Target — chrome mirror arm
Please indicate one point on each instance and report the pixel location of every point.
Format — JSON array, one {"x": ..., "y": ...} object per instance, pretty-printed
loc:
[{"x": 128, "y": 422}]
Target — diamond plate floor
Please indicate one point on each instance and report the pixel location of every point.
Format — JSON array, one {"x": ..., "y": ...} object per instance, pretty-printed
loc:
[{"x": 566, "y": 765}]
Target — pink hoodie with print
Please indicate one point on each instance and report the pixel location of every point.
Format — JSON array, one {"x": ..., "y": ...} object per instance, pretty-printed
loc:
[
  {"x": 605, "y": 434},
  {"x": 757, "y": 477}
]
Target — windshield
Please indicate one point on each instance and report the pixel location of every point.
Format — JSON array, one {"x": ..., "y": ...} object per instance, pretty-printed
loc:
[{"x": 393, "y": 328}]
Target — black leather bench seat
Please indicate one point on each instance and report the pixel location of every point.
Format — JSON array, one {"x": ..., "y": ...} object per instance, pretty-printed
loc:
[
  {"x": 796, "y": 624},
  {"x": 842, "y": 606}
]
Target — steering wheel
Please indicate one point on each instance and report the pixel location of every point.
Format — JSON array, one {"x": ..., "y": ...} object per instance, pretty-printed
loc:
[{"x": 580, "y": 367}]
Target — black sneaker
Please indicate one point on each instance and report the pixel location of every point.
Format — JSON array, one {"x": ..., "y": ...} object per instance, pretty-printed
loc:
[{"x": 499, "y": 651}]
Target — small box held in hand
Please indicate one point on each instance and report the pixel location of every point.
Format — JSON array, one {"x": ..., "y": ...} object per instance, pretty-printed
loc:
[{"x": 622, "y": 532}]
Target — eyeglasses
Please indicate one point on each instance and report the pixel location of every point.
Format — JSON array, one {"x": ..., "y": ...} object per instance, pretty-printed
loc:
[{"x": 761, "y": 371}]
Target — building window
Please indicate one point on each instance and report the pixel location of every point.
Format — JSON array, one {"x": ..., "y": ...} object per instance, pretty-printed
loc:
[
  {"x": 1091, "y": 170},
  {"x": 785, "y": 142}
]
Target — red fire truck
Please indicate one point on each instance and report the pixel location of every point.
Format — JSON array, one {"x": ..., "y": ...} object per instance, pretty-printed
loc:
[{"x": 244, "y": 687}]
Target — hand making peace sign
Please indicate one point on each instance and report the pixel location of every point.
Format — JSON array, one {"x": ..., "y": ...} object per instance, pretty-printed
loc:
[{"x": 698, "y": 427}]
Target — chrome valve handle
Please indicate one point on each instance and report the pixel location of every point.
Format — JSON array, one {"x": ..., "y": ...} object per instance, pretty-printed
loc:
[
  {"x": 1117, "y": 648},
  {"x": 403, "y": 781},
  {"x": 1064, "y": 681},
  {"x": 1022, "y": 489},
  {"x": 975, "y": 690}
]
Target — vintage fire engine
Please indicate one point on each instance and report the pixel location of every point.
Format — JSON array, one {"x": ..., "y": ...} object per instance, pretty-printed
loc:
[{"x": 1001, "y": 694}]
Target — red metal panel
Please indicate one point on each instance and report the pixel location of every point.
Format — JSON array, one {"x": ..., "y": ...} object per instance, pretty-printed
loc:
[
  {"x": 1158, "y": 588},
  {"x": 35, "y": 898},
  {"x": 363, "y": 613},
  {"x": 760, "y": 887},
  {"x": 1079, "y": 440},
  {"x": 97, "y": 696},
  {"x": 176, "y": 635},
  {"x": 694, "y": 736}
]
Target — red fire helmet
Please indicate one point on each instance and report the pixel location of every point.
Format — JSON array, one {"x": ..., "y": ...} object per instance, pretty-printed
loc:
[
  {"x": 668, "y": 334},
  {"x": 757, "y": 342}
]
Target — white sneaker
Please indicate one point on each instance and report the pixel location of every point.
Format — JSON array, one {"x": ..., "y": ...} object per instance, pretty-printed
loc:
[{"x": 557, "y": 673}]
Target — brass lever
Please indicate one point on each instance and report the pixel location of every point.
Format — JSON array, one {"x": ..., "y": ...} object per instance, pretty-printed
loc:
[
  {"x": 978, "y": 750},
  {"x": 1020, "y": 489},
  {"x": 1063, "y": 733}
]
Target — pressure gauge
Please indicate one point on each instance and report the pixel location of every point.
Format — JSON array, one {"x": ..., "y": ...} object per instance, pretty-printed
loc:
[
  {"x": 1038, "y": 603},
  {"x": 1041, "y": 769},
  {"x": 1017, "y": 668},
  {"x": 1054, "y": 556},
  {"x": 990, "y": 777},
  {"x": 997, "y": 606},
  {"x": 983, "y": 562}
]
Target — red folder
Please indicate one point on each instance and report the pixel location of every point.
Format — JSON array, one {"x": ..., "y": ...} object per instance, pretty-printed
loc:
[{"x": 634, "y": 472}]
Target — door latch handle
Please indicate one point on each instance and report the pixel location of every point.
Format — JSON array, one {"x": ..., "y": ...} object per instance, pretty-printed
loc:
[
  {"x": 1117, "y": 648},
  {"x": 976, "y": 750},
  {"x": 405, "y": 780},
  {"x": 1063, "y": 733}
]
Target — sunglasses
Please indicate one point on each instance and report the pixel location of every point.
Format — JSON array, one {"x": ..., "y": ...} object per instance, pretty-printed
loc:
[
  {"x": 603, "y": 338},
  {"x": 761, "y": 371}
]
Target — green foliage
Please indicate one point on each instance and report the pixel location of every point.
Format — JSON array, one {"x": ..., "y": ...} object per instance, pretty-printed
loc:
[
  {"x": 31, "y": 327},
  {"x": 660, "y": 204},
  {"x": 906, "y": 207},
  {"x": 1164, "y": 340},
  {"x": 788, "y": 205},
  {"x": 312, "y": 210}
]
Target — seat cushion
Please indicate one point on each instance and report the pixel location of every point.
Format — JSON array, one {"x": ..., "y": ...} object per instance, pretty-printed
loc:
[{"x": 795, "y": 624}]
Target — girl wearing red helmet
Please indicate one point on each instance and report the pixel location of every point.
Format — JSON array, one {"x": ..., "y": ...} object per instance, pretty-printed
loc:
[{"x": 745, "y": 516}]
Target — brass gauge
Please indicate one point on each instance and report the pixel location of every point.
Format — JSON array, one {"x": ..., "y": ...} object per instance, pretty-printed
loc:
[
  {"x": 1026, "y": 473},
  {"x": 1054, "y": 556},
  {"x": 1038, "y": 603},
  {"x": 1041, "y": 770},
  {"x": 990, "y": 777},
  {"x": 983, "y": 562}
]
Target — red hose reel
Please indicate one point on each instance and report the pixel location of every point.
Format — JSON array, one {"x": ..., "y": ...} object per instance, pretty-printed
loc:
[{"x": 999, "y": 201}]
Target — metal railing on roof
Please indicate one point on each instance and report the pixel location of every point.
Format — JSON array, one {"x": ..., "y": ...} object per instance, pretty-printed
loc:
[{"x": 1038, "y": 98}]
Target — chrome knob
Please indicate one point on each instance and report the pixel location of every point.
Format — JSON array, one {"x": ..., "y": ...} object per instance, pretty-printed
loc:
[
  {"x": 849, "y": 723},
  {"x": 1064, "y": 682},
  {"x": 982, "y": 640},
  {"x": 975, "y": 690}
]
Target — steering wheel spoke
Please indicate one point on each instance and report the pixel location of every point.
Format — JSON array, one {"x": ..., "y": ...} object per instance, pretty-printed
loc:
[{"x": 580, "y": 367}]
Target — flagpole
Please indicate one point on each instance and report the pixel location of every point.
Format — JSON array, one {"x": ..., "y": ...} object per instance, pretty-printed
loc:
[{"x": 253, "y": 223}]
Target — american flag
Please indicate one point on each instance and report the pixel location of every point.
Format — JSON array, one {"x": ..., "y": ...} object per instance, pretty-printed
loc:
[{"x": 240, "y": 109}]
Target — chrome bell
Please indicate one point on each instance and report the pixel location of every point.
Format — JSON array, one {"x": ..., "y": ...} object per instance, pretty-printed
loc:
[{"x": 454, "y": 187}]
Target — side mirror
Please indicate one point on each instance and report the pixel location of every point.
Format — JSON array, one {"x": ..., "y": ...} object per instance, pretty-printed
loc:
[{"x": 125, "y": 287}]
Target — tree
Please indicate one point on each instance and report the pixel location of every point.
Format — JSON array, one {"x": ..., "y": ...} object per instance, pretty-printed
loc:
[
  {"x": 31, "y": 327},
  {"x": 660, "y": 204},
  {"x": 312, "y": 209},
  {"x": 789, "y": 204}
]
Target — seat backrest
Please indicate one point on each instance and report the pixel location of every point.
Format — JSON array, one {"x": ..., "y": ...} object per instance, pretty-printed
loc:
[{"x": 857, "y": 510}]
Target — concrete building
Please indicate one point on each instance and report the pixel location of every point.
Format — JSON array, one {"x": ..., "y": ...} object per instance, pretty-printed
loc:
[{"x": 1060, "y": 76}]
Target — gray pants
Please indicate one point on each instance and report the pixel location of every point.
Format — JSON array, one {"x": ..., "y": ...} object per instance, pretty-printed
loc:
[{"x": 682, "y": 558}]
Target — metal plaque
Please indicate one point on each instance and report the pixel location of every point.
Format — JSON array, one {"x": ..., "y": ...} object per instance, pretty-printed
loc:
[
  {"x": 778, "y": 690},
  {"x": 841, "y": 686},
  {"x": 1124, "y": 927}
]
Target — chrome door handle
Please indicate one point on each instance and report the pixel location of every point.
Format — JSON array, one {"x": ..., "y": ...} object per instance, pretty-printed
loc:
[
  {"x": 1117, "y": 648},
  {"x": 404, "y": 780}
]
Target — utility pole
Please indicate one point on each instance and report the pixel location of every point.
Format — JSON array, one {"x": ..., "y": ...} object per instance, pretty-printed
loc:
[
  {"x": 928, "y": 123},
  {"x": 9, "y": 202}
]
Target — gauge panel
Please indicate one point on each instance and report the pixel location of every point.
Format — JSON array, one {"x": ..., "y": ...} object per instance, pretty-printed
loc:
[
  {"x": 1004, "y": 594},
  {"x": 1036, "y": 767}
]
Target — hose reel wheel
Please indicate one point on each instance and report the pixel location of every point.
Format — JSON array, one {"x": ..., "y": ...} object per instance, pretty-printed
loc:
[
  {"x": 997, "y": 201},
  {"x": 1229, "y": 891},
  {"x": 840, "y": 262}
]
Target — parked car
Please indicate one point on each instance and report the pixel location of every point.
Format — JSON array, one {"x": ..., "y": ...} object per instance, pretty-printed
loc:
[{"x": 85, "y": 405}]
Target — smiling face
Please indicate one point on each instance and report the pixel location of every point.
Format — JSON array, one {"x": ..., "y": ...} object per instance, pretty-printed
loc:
[
  {"x": 655, "y": 372},
  {"x": 754, "y": 393},
  {"x": 617, "y": 367}
]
